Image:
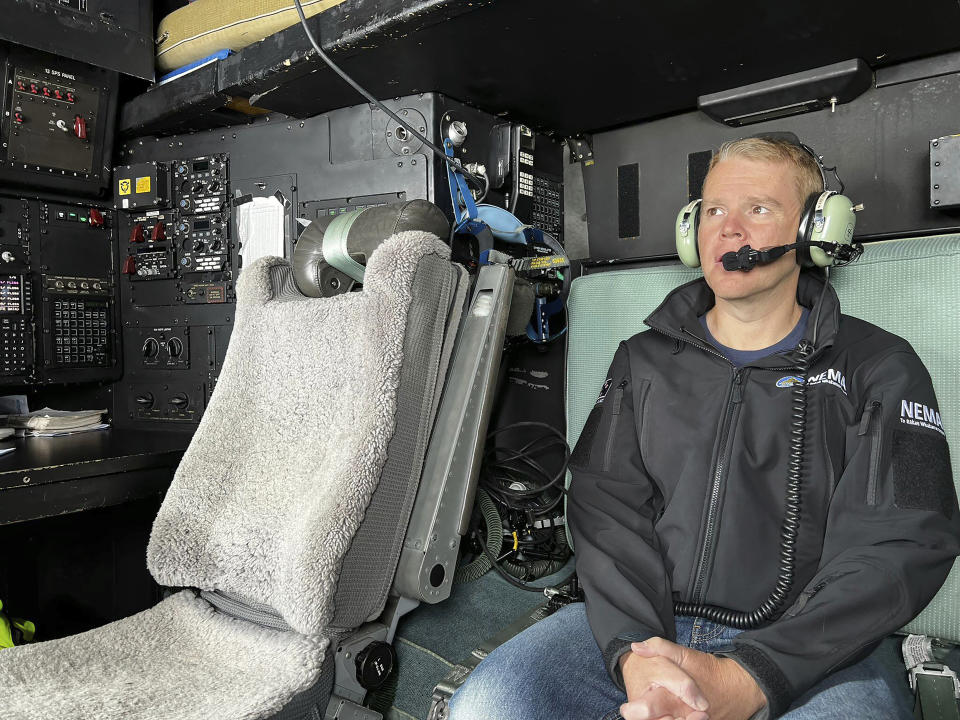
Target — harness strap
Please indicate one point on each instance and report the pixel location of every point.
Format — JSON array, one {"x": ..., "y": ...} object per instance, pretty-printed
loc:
[{"x": 935, "y": 684}]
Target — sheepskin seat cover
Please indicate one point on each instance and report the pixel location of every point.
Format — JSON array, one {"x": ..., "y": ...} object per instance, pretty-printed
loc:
[
  {"x": 276, "y": 481},
  {"x": 180, "y": 659},
  {"x": 263, "y": 507}
]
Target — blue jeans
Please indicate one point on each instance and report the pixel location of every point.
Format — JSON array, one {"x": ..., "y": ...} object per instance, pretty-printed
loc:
[{"x": 554, "y": 671}]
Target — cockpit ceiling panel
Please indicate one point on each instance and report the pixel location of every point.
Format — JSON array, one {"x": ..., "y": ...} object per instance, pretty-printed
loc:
[{"x": 577, "y": 66}]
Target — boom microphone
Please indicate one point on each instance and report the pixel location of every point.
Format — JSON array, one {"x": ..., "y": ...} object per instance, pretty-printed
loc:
[{"x": 746, "y": 258}]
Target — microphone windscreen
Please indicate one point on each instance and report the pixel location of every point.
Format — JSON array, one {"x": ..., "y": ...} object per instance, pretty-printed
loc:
[{"x": 731, "y": 261}]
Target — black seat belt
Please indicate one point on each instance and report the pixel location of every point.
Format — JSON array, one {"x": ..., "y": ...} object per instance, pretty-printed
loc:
[{"x": 936, "y": 686}]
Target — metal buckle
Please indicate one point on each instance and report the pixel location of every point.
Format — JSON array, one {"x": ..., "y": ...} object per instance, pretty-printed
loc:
[{"x": 935, "y": 670}]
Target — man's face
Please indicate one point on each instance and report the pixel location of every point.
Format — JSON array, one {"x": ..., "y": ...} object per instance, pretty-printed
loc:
[{"x": 748, "y": 202}]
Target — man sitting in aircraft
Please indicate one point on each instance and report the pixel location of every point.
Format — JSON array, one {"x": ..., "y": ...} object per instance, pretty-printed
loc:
[{"x": 751, "y": 393}]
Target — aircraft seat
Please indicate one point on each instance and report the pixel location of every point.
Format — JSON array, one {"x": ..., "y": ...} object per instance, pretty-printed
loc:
[
  {"x": 285, "y": 521},
  {"x": 908, "y": 287}
]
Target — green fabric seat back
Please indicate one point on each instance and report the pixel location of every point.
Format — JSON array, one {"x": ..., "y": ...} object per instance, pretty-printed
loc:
[{"x": 909, "y": 287}]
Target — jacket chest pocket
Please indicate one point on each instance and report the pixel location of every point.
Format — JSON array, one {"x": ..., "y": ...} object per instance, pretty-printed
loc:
[
  {"x": 871, "y": 429},
  {"x": 619, "y": 430}
]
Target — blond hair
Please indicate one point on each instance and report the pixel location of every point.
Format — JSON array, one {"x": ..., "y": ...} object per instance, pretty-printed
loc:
[{"x": 807, "y": 177}]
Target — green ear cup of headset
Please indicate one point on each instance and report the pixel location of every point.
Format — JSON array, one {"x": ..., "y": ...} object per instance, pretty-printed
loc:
[
  {"x": 686, "y": 234},
  {"x": 833, "y": 222}
]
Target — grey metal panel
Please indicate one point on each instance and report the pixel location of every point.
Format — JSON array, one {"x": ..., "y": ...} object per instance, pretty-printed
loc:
[
  {"x": 281, "y": 146},
  {"x": 880, "y": 143},
  {"x": 445, "y": 496}
]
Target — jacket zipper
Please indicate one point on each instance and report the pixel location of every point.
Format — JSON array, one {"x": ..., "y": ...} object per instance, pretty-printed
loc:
[
  {"x": 617, "y": 401},
  {"x": 735, "y": 395},
  {"x": 872, "y": 422}
]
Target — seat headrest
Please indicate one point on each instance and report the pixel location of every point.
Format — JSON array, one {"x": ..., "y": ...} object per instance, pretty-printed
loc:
[{"x": 331, "y": 252}]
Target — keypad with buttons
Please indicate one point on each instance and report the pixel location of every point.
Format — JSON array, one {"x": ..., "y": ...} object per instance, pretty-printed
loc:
[
  {"x": 81, "y": 332},
  {"x": 15, "y": 350},
  {"x": 548, "y": 206}
]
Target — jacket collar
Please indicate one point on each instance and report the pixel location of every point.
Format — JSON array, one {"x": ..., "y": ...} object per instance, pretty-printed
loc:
[{"x": 678, "y": 315}]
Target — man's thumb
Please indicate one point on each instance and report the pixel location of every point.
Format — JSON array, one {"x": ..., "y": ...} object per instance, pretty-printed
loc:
[{"x": 658, "y": 647}]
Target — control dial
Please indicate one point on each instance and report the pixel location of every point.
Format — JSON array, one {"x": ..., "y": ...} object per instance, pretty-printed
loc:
[
  {"x": 180, "y": 401},
  {"x": 175, "y": 347},
  {"x": 374, "y": 664},
  {"x": 151, "y": 348},
  {"x": 145, "y": 400}
]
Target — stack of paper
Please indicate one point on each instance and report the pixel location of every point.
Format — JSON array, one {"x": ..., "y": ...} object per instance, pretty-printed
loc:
[{"x": 50, "y": 423}]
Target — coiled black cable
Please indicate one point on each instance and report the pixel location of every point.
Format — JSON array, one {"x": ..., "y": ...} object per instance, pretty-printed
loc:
[
  {"x": 518, "y": 487},
  {"x": 789, "y": 530}
]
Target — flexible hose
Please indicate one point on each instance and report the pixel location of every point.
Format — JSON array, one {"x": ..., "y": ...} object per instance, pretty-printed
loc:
[
  {"x": 540, "y": 568},
  {"x": 491, "y": 519},
  {"x": 788, "y": 530}
]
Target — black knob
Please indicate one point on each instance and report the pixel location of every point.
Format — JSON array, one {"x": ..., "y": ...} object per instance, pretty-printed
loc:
[
  {"x": 175, "y": 347},
  {"x": 151, "y": 348},
  {"x": 145, "y": 400},
  {"x": 198, "y": 187},
  {"x": 375, "y": 663},
  {"x": 198, "y": 246},
  {"x": 180, "y": 401},
  {"x": 216, "y": 245},
  {"x": 214, "y": 186}
]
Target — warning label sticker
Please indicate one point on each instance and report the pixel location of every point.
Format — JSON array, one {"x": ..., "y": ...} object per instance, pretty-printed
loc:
[
  {"x": 125, "y": 186},
  {"x": 143, "y": 185}
]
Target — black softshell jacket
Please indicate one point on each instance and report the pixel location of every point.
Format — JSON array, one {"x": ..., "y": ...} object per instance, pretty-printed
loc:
[{"x": 679, "y": 481}]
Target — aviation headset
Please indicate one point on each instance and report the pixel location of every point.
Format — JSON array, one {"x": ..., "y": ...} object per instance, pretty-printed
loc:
[{"x": 827, "y": 219}]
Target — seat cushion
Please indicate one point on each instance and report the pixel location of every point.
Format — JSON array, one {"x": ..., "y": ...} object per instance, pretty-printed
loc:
[
  {"x": 203, "y": 27},
  {"x": 180, "y": 659}
]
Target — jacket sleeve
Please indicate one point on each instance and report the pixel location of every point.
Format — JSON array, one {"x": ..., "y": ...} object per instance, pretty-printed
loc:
[
  {"x": 612, "y": 509},
  {"x": 891, "y": 537}
]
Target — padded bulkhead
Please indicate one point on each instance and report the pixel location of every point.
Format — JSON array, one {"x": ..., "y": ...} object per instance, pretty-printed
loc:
[
  {"x": 203, "y": 27},
  {"x": 908, "y": 287},
  {"x": 264, "y": 506}
]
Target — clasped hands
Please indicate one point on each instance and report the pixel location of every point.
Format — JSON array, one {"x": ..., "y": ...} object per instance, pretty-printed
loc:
[{"x": 666, "y": 681}]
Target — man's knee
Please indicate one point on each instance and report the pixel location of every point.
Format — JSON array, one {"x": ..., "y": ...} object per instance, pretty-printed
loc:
[{"x": 487, "y": 694}]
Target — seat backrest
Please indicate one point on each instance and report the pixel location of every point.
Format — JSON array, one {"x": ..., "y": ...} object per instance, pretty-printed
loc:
[
  {"x": 319, "y": 399},
  {"x": 908, "y": 287}
]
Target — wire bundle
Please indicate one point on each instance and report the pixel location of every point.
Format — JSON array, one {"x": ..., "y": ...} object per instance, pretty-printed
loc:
[{"x": 517, "y": 527}]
